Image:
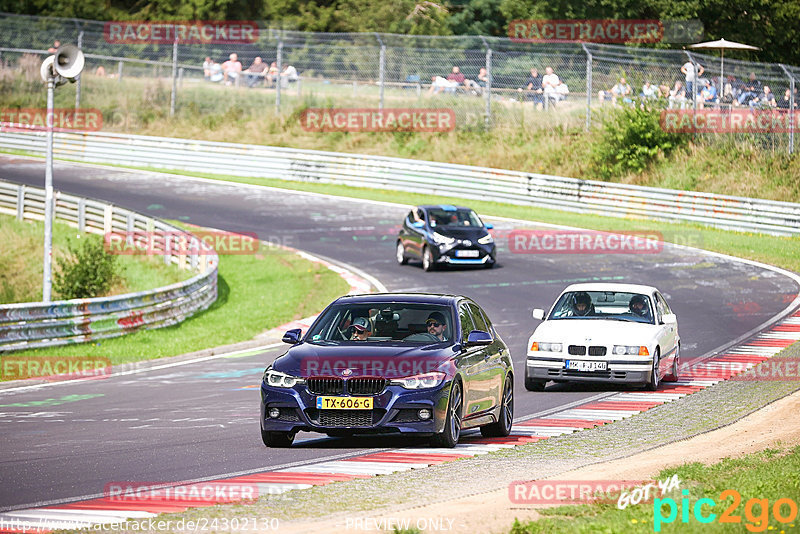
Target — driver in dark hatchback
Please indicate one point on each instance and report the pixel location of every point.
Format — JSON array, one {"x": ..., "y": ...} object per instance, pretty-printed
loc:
[
  {"x": 432, "y": 366},
  {"x": 445, "y": 235}
]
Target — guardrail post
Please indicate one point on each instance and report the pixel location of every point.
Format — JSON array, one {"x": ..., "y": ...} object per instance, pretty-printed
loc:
[
  {"x": 108, "y": 218},
  {"x": 381, "y": 70},
  {"x": 588, "y": 87},
  {"x": 174, "y": 78},
  {"x": 129, "y": 226},
  {"x": 279, "y": 80},
  {"x": 168, "y": 248},
  {"x": 791, "y": 111},
  {"x": 119, "y": 71},
  {"x": 78, "y": 82},
  {"x": 81, "y": 214},
  {"x": 194, "y": 256},
  {"x": 21, "y": 202}
]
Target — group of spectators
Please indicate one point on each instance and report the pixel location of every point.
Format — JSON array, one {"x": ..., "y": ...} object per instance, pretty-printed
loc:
[
  {"x": 230, "y": 72},
  {"x": 544, "y": 90},
  {"x": 750, "y": 93},
  {"x": 456, "y": 82}
]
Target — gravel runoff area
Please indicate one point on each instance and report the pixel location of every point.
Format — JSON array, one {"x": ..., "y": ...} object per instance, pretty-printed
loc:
[{"x": 701, "y": 412}]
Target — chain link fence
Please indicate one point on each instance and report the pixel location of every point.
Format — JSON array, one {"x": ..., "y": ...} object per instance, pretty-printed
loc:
[{"x": 376, "y": 70}]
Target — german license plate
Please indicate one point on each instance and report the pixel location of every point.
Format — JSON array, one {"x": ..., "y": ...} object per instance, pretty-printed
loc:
[
  {"x": 467, "y": 253},
  {"x": 344, "y": 403},
  {"x": 582, "y": 365}
]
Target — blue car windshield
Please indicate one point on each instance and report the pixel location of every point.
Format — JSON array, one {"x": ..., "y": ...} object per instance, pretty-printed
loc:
[
  {"x": 395, "y": 322},
  {"x": 457, "y": 217},
  {"x": 612, "y": 305}
]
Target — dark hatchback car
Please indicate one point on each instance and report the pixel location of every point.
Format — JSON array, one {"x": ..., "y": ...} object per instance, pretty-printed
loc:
[
  {"x": 445, "y": 235},
  {"x": 429, "y": 365}
]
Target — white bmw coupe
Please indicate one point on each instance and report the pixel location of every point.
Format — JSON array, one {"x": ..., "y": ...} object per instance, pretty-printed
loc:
[{"x": 621, "y": 333}]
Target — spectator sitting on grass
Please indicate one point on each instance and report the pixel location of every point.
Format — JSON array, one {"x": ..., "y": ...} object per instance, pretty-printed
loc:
[
  {"x": 53, "y": 49},
  {"x": 786, "y": 101},
  {"x": 750, "y": 90},
  {"x": 549, "y": 83},
  {"x": 766, "y": 99},
  {"x": 483, "y": 77},
  {"x": 255, "y": 72},
  {"x": 621, "y": 90},
  {"x": 561, "y": 91},
  {"x": 709, "y": 94},
  {"x": 648, "y": 91},
  {"x": 207, "y": 68},
  {"x": 232, "y": 69},
  {"x": 728, "y": 96},
  {"x": 534, "y": 87},
  {"x": 677, "y": 96},
  {"x": 288, "y": 74},
  {"x": 272, "y": 74},
  {"x": 442, "y": 85}
]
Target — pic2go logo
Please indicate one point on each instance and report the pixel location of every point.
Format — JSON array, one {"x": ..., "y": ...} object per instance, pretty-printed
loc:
[{"x": 783, "y": 510}]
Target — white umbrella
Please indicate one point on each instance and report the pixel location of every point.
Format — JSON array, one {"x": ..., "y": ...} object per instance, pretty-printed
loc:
[{"x": 722, "y": 45}]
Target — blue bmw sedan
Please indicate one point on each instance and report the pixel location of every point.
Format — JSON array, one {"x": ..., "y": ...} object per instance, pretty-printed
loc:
[{"x": 430, "y": 365}]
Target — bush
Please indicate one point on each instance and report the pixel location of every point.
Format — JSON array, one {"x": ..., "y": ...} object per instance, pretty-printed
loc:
[
  {"x": 629, "y": 140},
  {"x": 88, "y": 271}
]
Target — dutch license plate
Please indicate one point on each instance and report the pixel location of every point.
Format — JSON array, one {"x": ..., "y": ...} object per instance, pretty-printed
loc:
[
  {"x": 344, "y": 403},
  {"x": 467, "y": 253},
  {"x": 582, "y": 365}
]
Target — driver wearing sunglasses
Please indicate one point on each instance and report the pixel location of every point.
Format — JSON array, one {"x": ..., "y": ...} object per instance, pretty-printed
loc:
[{"x": 436, "y": 325}]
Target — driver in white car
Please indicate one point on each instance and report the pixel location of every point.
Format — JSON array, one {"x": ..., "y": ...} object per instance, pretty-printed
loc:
[{"x": 582, "y": 304}]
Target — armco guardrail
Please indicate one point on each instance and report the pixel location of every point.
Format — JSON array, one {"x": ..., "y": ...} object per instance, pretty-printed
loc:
[
  {"x": 585, "y": 196},
  {"x": 38, "y": 324}
]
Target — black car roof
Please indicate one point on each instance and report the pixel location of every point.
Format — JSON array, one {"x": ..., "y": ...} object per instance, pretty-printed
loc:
[{"x": 439, "y": 206}]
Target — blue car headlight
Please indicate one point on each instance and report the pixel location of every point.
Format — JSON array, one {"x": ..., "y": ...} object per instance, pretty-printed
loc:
[
  {"x": 424, "y": 381},
  {"x": 442, "y": 239},
  {"x": 486, "y": 240},
  {"x": 280, "y": 380}
]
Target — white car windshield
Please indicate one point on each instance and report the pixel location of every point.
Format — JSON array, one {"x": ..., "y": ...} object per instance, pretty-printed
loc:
[
  {"x": 610, "y": 305},
  {"x": 390, "y": 322}
]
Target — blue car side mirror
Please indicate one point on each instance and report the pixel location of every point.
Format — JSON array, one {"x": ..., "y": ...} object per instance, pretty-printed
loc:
[
  {"x": 479, "y": 337},
  {"x": 489, "y": 226},
  {"x": 292, "y": 336}
]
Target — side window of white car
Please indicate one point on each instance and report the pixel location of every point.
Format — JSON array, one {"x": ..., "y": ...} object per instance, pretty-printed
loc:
[{"x": 661, "y": 306}]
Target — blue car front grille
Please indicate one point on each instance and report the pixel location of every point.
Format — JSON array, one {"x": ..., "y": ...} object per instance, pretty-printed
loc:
[
  {"x": 365, "y": 386},
  {"x": 325, "y": 386}
]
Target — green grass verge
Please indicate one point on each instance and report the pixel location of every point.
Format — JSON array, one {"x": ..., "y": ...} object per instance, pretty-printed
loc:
[
  {"x": 768, "y": 474},
  {"x": 256, "y": 292},
  {"x": 21, "y": 271}
]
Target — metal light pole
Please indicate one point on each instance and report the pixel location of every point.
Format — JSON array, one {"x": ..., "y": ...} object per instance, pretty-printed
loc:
[
  {"x": 65, "y": 65},
  {"x": 48, "y": 194}
]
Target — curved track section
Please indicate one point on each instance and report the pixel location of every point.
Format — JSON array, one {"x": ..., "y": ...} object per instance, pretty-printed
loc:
[{"x": 199, "y": 420}]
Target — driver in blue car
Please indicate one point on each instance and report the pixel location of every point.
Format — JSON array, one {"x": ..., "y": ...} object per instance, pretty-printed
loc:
[
  {"x": 436, "y": 325},
  {"x": 361, "y": 329}
]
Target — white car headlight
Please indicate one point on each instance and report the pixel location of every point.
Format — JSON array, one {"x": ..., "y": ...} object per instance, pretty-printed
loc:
[
  {"x": 631, "y": 350},
  {"x": 427, "y": 380},
  {"x": 485, "y": 240},
  {"x": 546, "y": 347},
  {"x": 442, "y": 239},
  {"x": 280, "y": 380}
]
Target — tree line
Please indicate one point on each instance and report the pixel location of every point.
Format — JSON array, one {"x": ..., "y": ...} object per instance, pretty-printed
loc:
[{"x": 771, "y": 25}]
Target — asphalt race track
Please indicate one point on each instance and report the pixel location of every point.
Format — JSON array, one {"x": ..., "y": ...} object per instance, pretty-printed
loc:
[{"x": 200, "y": 420}]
